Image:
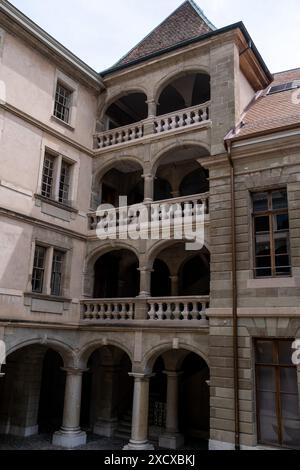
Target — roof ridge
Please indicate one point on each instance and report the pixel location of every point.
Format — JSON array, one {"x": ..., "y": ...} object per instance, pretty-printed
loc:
[
  {"x": 201, "y": 13},
  {"x": 286, "y": 71}
]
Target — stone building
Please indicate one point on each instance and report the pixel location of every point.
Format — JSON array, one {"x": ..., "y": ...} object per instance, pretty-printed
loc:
[{"x": 142, "y": 338}]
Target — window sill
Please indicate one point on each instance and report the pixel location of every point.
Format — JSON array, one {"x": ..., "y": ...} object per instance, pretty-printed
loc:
[
  {"x": 53, "y": 298},
  {"x": 60, "y": 205},
  {"x": 63, "y": 123}
]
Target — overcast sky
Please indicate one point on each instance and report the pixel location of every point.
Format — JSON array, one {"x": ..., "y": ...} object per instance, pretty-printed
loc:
[{"x": 101, "y": 31}]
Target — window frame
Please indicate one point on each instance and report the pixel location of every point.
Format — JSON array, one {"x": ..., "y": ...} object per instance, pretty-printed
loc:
[
  {"x": 70, "y": 92},
  {"x": 59, "y": 161},
  {"x": 36, "y": 268},
  {"x": 277, "y": 366},
  {"x": 270, "y": 213},
  {"x": 60, "y": 273}
]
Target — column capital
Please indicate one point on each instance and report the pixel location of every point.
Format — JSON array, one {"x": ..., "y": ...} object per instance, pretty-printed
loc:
[
  {"x": 148, "y": 176},
  {"x": 173, "y": 373},
  {"x": 140, "y": 376},
  {"x": 73, "y": 370}
]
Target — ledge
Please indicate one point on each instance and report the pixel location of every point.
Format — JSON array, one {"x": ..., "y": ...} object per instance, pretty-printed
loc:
[
  {"x": 52, "y": 202},
  {"x": 43, "y": 303},
  {"x": 63, "y": 123}
]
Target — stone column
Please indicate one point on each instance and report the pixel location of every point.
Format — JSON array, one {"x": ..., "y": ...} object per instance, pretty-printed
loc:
[
  {"x": 140, "y": 411},
  {"x": 107, "y": 420},
  {"x": 172, "y": 439},
  {"x": 174, "y": 286},
  {"x": 148, "y": 188},
  {"x": 70, "y": 434},
  {"x": 145, "y": 282},
  {"x": 149, "y": 122}
]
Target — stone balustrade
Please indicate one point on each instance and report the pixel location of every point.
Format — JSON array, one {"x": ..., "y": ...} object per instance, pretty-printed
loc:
[
  {"x": 107, "y": 309},
  {"x": 158, "y": 309},
  {"x": 178, "y": 308},
  {"x": 184, "y": 118},
  {"x": 177, "y": 209}
]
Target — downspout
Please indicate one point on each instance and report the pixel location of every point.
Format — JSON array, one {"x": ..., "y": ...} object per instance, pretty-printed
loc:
[{"x": 234, "y": 300}]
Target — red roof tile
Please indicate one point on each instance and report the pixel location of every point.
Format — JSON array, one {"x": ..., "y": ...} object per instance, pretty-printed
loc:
[{"x": 187, "y": 22}]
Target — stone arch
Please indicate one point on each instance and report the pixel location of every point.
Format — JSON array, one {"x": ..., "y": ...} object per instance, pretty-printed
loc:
[
  {"x": 65, "y": 351},
  {"x": 160, "y": 245},
  {"x": 152, "y": 355},
  {"x": 120, "y": 94},
  {"x": 87, "y": 350},
  {"x": 159, "y": 157},
  {"x": 174, "y": 75}
]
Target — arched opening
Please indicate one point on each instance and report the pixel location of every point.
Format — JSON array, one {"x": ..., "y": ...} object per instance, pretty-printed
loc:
[
  {"x": 178, "y": 273},
  {"x": 125, "y": 179},
  {"x": 32, "y": 392},
  {"x": 126, "y": 110},
  {"x": 179, "y": 408},
  {"x": 116, "y": 275},
  {"x": 184, "y": 92},
  {"x": 195, "y": 182},
  {"x": 107, "y": 394},
  {"x": 160, "y": 279},
  {"x": 179, "y": 173},
  {"x": 194, "y": 275}
]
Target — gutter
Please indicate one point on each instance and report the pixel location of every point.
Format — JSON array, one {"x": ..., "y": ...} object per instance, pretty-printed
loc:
[{"x": 234, "y": 299}]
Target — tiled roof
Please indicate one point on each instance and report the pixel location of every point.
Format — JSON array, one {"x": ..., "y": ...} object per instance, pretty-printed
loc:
[
  {"x": 187, "y": 22},
  {"x": 274, "y": 111}
]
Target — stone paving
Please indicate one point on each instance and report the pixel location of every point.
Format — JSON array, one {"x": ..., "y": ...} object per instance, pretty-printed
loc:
[{"x": 43, "y": 442}]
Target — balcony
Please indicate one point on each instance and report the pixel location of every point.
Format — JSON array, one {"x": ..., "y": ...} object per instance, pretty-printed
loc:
[
  {"x": 172, "y": 210},
  {"x": 182, "y": 309},
  {"x": 161, "y": 125}
]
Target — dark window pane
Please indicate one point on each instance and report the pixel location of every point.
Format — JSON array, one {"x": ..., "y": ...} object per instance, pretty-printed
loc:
[
  {"x": 279, "y": 200},
  {"x": 262, "y": 224},
  {"x": 285, "y": 352},
  {"x": 281, "y": 246},
  {"x": 56, "y": 274},
  {"x": 281, "y": 222},
  {"x": 263, "y": 249},
  {"x": 38, "y": 269},
  {"x": 267, "y": 417},
  {"x": 263, "y": 261},
  {"x": 260, "y": 202},
  {"x": 288, "y": 380},
  {"x": 264, "y": 352},
  {"x": 266, "y": 379}
]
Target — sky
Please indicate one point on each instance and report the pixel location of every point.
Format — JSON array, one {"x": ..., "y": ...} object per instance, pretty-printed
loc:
[{"x": 100, "y": 32}]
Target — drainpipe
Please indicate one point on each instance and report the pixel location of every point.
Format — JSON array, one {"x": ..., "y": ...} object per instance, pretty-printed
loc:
[{"x": 234, "y": 301}]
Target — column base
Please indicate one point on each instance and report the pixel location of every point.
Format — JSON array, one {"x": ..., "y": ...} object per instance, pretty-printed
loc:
[
  {"x": 219, "y": 445},
  {"x": 138, "y": 445},
  {"x": 105, "y": 428},
  {"x": 171, "y": 441},
  {"x": 69, "y": 439}
]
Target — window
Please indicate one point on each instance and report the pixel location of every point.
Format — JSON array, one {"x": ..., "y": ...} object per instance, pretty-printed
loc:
[
  {"x": 62, "y": 104},
  {"x": 271, "y": 233},
  {"x": 47, "y": 273},
  {"x": 38, "y": 269},
  {"x": 56, "y": 179},
  {"x": 284, "y": 87},
  {"x": 277, "y": 395},
  {"x": 64, "y": 183},
  {"x": 47, "y": 179},
  {"x": 56, "y": 273}
]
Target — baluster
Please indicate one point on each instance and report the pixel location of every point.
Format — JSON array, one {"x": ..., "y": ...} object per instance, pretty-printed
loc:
[
  {"x": 152, "y": 312},
  {"x": 189, "y": 119},
  {"x": 203, "y": 312},
  {"x": 187, "y": 212},
  {"x": 185, "y": 313},
  {"x": 155, "y": 213},
  {"x": 180, "y": 120},
  {"x": 168, "y": 312},
  {"x": 160, "y": 312},
  {"x": 172, "y": 122},
  {"x": 177, "y": 312},
  {"x": 195, "y": 312},
  {"x": 204, "y": 114}
]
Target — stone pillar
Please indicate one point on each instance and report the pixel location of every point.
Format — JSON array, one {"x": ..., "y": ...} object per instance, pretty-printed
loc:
[
  {"x": 140, "y": 411},
  {"x": 70, "y": 434},
  {"x": 148, "y": 188},
  {"x": 172, "y": 439},
  {"x": 145, "y": 282},
  {"x": 107, "y": 420},
  {"x": 149, "y": 122},
  {"x": 174, "y": 286},
  {"x": 152, "y": 107}
]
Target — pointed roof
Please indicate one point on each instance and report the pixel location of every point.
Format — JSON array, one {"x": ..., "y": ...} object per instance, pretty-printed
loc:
[{"x": 186, "y": 22}]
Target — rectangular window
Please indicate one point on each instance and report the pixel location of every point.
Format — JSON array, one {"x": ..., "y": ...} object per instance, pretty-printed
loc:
[
  {"x": 62, "y": 103},
  {"x": 56, "y": 273},
  {"x": 278, "y": 416},
  {"x": 47, "y": 178},
  {"x": 271, "y": 232},
  {"x": 64, "y": 183},
  {"x": 38, "y": 269}
]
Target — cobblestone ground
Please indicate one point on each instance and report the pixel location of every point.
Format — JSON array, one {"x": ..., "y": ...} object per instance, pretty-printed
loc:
[{"x": 43, "y": 442}]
